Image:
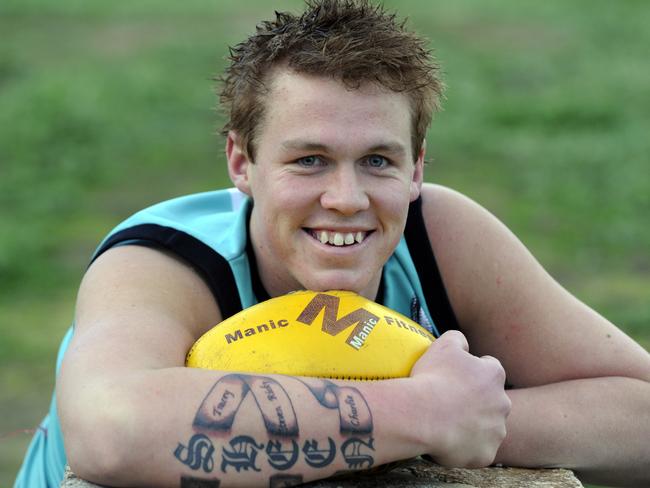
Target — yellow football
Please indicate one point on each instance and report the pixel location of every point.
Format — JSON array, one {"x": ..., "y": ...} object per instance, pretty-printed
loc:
[{"x": 333, "y": 334}]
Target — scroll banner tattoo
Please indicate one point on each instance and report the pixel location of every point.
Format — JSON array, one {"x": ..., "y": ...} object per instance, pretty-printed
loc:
[
  {"x": 354, "y": 413},
  {"x": 220, "y": 406}
]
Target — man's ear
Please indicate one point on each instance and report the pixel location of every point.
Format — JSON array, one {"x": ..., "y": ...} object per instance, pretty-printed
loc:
[
  {"x": 238, "y": 163},
  {"x": 418, "y": 173}
]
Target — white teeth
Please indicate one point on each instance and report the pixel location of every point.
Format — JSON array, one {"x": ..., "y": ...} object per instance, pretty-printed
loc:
[{"x": 339, "y": 238}]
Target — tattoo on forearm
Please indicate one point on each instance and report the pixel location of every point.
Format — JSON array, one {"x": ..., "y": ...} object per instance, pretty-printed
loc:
[
  {"x": 319, "y": 457},
  {"x": 219, "y": 408},
  {"x": 198, "y": 453},
  {"x": 354, "y": 413},
  {"x": 282, "y": 456},
  {"x": 275, "y": 406},
  {"x": 242, "y": 455},
  {"x": 355, "y": 452}
]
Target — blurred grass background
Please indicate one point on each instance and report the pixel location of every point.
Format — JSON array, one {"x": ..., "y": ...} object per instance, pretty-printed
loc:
[{"x": 108, "y": 107}]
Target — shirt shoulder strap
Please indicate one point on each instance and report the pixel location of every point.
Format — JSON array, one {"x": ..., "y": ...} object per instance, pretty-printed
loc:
[{"x": 424, "y": 259}]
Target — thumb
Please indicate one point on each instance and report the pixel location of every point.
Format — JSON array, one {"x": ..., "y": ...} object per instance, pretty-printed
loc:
[{"x": 451, "y": 340}]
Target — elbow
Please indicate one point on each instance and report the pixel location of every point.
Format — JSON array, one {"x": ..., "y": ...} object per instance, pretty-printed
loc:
[
  {"x": 97, "y": 462},
  {"x": 96, "y": 430}
]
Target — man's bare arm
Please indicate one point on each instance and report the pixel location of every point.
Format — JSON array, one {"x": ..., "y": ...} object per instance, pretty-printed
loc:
[
  {"x": 597, "y": 427},
  {"x": 132, "y": 415},
  {"x": 581, "y": 385}
]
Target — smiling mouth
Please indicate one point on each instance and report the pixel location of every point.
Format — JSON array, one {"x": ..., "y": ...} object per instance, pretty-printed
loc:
[{"x": 338, "y": 239}]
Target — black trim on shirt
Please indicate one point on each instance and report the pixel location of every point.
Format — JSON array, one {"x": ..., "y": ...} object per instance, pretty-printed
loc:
[
  {"x": 425, "y": 263},
  {"x": 219, "y": 277},
  {"x": 258, "y": 287},
  {"x": 211, "y": 265}
]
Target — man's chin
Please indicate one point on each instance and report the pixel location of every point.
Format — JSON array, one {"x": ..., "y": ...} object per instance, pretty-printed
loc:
[{"x": 347, "y": 280}]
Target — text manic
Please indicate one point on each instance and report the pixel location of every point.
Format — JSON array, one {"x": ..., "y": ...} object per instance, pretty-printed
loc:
[
  {"x": 361, "y": 334},
  {"x": 260, "y": 329}
]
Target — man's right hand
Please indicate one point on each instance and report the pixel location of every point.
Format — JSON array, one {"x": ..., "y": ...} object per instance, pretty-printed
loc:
[{"x": 466, "y": 404}]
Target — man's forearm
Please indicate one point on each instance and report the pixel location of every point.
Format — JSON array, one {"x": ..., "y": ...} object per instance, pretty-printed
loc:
[
  {"x": 239, "y": 429},
  {"x": 597, "y": 427}
]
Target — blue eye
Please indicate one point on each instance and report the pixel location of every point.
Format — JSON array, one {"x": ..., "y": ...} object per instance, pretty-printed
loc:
[
  {"x": 308, "y": 161},
  {"x": 376, "y": 161}
]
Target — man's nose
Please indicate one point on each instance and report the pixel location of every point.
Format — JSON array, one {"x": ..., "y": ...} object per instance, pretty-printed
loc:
[{"x": 345, "y": 191}]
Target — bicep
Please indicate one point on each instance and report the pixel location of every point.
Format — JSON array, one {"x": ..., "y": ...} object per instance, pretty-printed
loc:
[
  {"x": 139, "y": 308},
  {"x": 511, "y": 308}
]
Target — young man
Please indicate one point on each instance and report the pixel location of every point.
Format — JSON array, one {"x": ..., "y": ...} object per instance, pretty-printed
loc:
[{"x": 325, "y": 145}]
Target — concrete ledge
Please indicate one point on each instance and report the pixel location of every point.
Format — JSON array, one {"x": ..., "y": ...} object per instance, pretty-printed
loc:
[{"x": 421, "y": 474}]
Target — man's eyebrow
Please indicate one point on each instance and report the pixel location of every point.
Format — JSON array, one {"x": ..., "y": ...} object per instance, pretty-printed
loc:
[
  {"x": 306, "y": 145},
  {"x": 391, "y": 147}
]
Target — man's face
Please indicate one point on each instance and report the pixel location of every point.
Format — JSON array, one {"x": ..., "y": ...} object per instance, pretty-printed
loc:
[{"x": 331, "y": 184}]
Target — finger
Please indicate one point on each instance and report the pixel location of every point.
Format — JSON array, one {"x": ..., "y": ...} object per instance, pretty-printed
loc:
[
  {"x": 487, "y": 357},
  {"x": 496, "y": 365},
  {"x": 455, "y": 337}
]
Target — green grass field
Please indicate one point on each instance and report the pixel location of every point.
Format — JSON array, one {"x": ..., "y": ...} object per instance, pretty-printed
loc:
[{"x": 107, "y": 107}]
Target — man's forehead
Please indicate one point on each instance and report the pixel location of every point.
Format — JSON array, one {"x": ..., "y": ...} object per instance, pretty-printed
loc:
[
  {"x": 319, "y": 97},
  {"x": 322, "y": 114}
]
